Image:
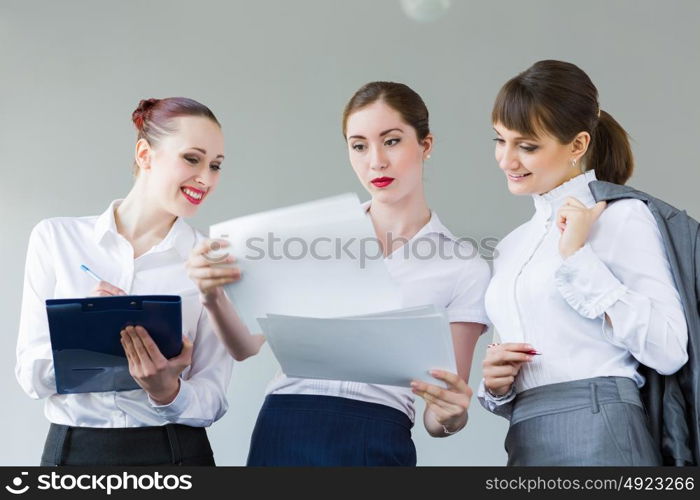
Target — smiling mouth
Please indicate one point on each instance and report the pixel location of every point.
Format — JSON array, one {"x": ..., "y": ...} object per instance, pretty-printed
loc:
[
  {"x": 193, "y": 196},
  {"x": 518, "y": 177}
]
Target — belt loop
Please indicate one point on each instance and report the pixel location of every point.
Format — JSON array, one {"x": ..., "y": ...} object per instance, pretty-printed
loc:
[
  {"x": 595, "y": 408},
  {"x": 175, "y": 454},
  {"x": 61, "y": 435}
]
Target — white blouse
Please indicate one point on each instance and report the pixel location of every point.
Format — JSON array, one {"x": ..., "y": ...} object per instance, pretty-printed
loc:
[
  {"x": 433, "y": 267},
  {"x": 559, "y": 305},
  {"x": 57, "y": 248}
]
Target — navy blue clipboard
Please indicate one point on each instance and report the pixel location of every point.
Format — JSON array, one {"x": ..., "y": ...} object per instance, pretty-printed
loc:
[{"x": 85, "y": 338}]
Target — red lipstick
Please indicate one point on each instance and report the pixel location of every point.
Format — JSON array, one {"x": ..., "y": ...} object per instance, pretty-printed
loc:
[
  {"x": 198, "y": 194},
  {"x": 382, "y": 182}
]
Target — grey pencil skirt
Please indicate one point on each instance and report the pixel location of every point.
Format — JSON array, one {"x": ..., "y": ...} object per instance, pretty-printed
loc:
[{"x": 595, "y": 421}]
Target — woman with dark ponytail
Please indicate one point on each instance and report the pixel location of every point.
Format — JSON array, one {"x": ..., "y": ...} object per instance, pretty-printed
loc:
[
  {"x": 138, "y": 246},
  {"x": 581, "y": 294}
]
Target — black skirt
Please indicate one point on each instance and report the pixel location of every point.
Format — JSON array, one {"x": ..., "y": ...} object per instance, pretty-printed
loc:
[{"x": 171, "y": 444}]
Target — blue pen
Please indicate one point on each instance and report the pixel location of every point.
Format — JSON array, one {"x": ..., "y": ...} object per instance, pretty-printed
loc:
[{"x": 87, "y": 270}]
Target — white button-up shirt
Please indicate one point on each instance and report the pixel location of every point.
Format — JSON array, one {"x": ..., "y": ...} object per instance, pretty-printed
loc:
[
  {"x": 57, "y": 248},
  {"x": 559, "y": 305},
  {"x": 433, "y": 267}
]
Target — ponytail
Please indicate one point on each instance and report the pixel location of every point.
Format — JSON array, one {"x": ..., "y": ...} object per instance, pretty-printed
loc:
[
  {"x": 559, "y": 98},
  {"x": 610, "y": 154}
]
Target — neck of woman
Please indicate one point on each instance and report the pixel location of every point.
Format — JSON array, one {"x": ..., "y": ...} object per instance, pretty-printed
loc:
[
  {"x": 140, "y": 220},
  {"x": 399, "y": 220}
]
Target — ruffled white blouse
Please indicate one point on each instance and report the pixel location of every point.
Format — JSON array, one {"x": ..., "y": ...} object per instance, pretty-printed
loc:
[{"x": 601, "y": 311}]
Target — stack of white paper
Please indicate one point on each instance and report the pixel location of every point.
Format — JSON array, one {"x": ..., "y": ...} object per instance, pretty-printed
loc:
[
  {"x": 392, "y": 348},
  {"x": 314, "y": 280},
  {"x": 319, "y": 259}
]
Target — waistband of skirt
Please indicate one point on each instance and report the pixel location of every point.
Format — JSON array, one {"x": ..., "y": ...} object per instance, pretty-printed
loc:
[
  {"x": 106, "y": 433},
  {"x": 335, "y": 404},
  {"x": 574, "y": 395}
]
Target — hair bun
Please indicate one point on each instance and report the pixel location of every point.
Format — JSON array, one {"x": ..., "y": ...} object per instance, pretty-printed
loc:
[{"x": 142, "y": 110}]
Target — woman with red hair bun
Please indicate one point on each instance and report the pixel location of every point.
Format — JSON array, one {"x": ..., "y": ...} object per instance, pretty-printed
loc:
[{"x": 138, "y": 246}]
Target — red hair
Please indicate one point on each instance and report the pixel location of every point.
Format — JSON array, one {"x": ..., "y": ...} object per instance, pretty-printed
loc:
[{"x": 154, "y": 118}]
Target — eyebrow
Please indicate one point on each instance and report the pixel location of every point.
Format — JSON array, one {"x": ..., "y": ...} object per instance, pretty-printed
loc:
[
  {"x": 382, "y": 134},
  {"x": 204, "y": 151},
  {"x": 519, "y": 138}
]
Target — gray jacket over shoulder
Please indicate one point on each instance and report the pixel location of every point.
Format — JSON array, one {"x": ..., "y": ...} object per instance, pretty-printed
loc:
[{"x": 672, "y": 401}]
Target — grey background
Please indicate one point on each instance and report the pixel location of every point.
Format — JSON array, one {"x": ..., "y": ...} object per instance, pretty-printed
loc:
[{"x": 277, "y": 74}]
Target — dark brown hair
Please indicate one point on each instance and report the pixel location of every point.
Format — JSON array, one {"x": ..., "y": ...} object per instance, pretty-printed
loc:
[
  {"x": 397, "y": 96},
  {"x": 560, "y": 99},
  {"x": 154, "y": 118}
]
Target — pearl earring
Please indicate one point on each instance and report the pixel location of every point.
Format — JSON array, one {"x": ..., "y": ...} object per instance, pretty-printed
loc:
[{"x": 427, "y": 157}]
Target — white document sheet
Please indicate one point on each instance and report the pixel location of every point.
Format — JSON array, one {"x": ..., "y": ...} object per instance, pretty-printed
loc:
[
  {"x": 319, "y": 259},
  {"x": 392, "y": 349}
]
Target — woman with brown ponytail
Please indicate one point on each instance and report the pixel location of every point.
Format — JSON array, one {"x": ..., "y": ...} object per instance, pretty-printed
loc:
[
  {"x": 581, "y": 294},
  {"x": 138, "y": 246}
]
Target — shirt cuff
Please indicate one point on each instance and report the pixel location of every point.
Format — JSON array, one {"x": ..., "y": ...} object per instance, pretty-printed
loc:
[
  {"x": 499, "y": 405},
  {"x": 177, "y": 406},
  {"x": 586, "y": 283}
]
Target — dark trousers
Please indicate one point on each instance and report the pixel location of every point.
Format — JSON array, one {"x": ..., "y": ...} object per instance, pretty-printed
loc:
[
  {"x": 307, "y": 430},
  {"x": 171, "y": 444}
]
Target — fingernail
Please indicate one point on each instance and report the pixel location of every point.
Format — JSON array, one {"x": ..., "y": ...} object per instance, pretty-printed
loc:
[{"x": 414, "y": 384}]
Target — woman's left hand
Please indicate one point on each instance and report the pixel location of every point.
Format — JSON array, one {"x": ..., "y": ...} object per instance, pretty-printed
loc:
[
  {"x": 157, "y": 375},
  {"x": 575, "y": 221},
  {"x": 448, "y": 406}
]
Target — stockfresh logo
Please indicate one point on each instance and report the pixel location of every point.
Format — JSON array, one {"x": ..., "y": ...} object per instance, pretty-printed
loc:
[
  {"x": 216, "y": 253},
  {"x": 107, "y": 483},
  {"x": 17, "y": 487}
]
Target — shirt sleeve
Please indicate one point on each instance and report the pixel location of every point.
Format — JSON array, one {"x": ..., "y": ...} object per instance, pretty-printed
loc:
[
  {"x": 202, "y": 397},
  {"x": 34, "y": 367},
  {"x": 467, "y": 303},
  {"x": 627, "y": 283},
  {"x": 498, "y": 405}
]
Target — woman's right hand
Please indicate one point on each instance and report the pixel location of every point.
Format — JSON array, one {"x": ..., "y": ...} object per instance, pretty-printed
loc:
[
  {"x": 207, "y": 272},
  {"x": 502, "y": 364},
  {"x": 104, "y": 289}
]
